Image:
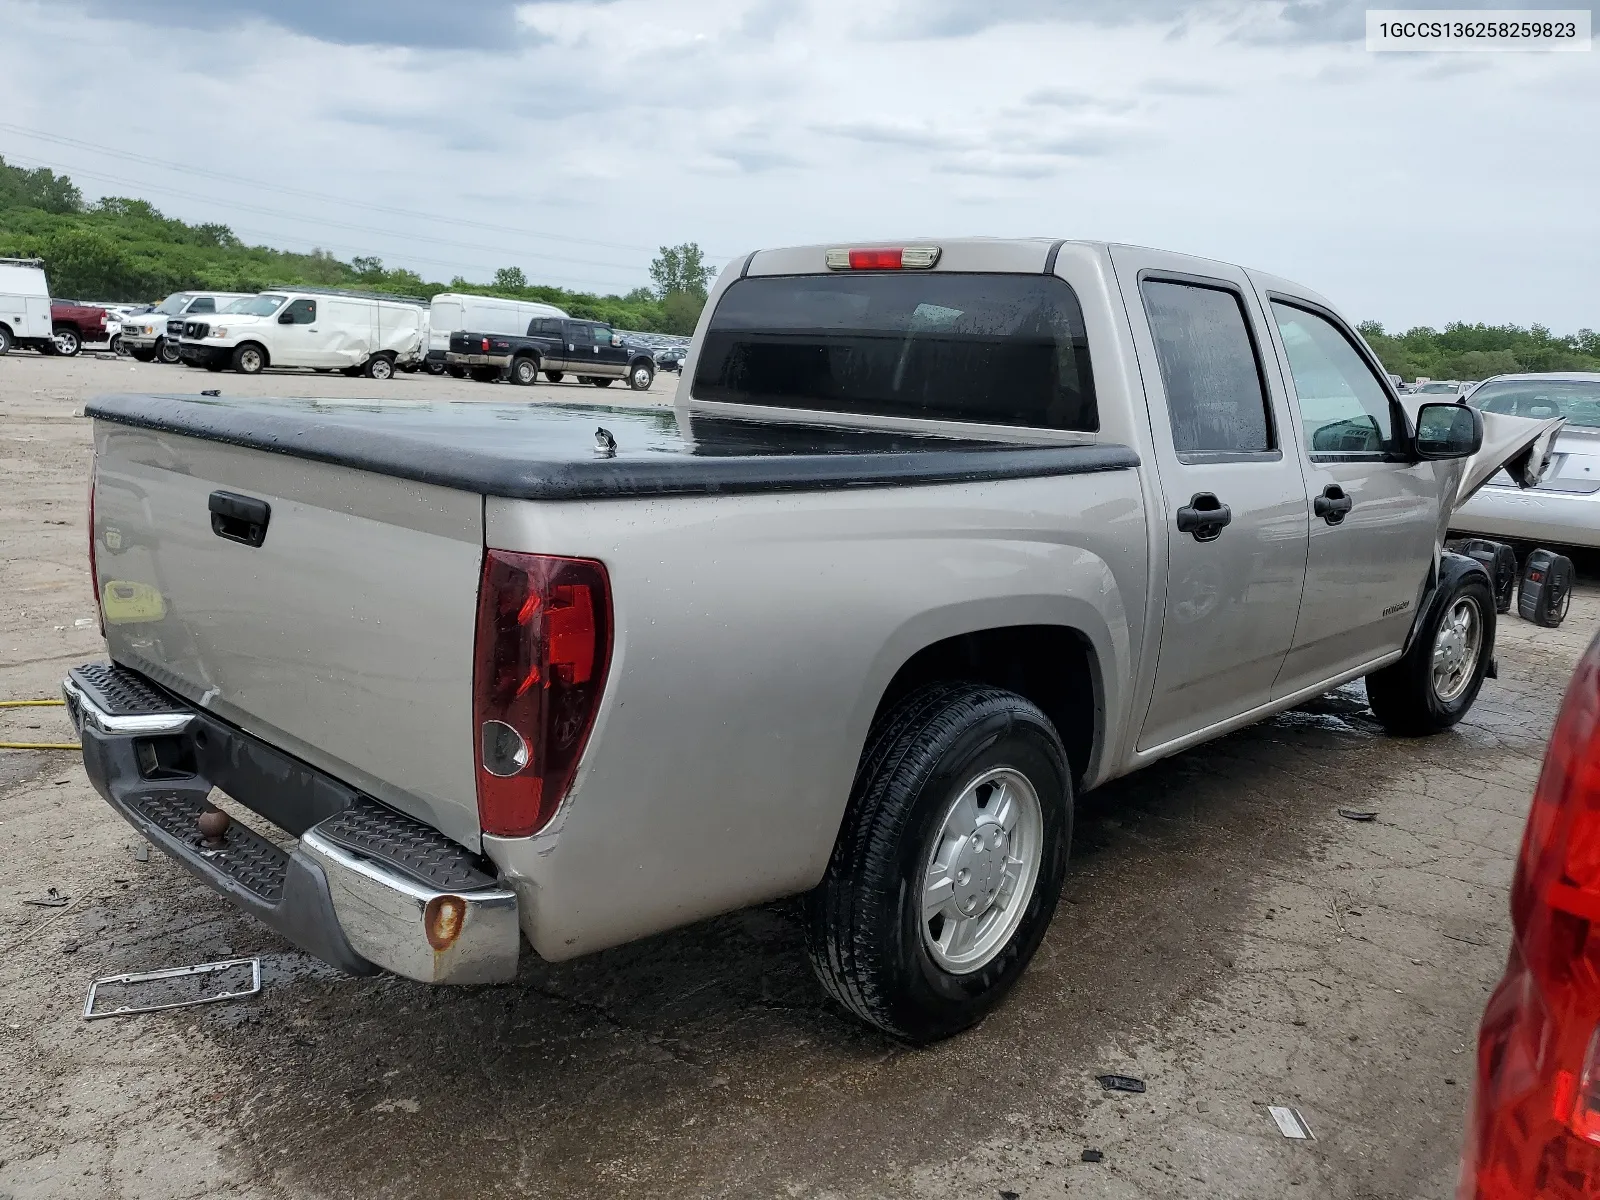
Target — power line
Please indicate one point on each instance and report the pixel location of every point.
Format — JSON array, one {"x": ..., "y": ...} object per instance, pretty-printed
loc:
[{"x": 183, "y": 168}]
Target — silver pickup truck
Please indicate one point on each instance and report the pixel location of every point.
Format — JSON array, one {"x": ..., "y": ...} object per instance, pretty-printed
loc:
[{"x": 936, "y": 537}]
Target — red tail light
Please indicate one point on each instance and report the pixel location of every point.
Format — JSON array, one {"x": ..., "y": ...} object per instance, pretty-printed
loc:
[
  {"x": 540, "y": 659},
  {"x": 1534, "y": 1129},
  {"x": 486, "y": 345}
]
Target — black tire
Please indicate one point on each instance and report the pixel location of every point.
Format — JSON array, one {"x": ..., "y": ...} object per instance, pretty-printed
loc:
[
  {"x": 601, "y": 382},
  {"x": 168, "y": 352},
  {"x": 143, "y": 356},
  {"x": 249, "y": 359},
  {"x": 455, "y": 371},
  {"x": 484, "y": 374},
  {"x": 865, "y": 923},
  {"x": 214, "y": 366},
  {"x": 1406, "y": 696},
  {"x": 525, "y": 371},
  {"x": 555, "y": 376},
  {"x": 641, "y": 375},
  {"x": 435, "y": 368},
  {"x": 379, "y": 366},
  {"x": 5, "y": 341},
  {"x": 67, "y": 341},
  {"x": 115, "y": 344}
]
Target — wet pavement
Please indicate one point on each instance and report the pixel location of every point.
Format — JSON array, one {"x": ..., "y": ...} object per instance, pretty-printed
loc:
[{"x": 1225, "y": 935}]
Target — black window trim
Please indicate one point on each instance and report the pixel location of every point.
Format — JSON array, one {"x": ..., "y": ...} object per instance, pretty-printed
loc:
[
  {"x": 1397, "y": 413},
  {"x": 1190, "y": 458}
]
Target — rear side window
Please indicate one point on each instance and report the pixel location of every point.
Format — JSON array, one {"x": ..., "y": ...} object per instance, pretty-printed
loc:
[
  {"x": 203, "y": 304},
  {"x": 1215, "y": 397},
  {"x": 995, "y": 349}
]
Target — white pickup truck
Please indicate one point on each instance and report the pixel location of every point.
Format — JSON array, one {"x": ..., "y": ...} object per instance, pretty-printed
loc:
[{"x": 937, "y": 537}]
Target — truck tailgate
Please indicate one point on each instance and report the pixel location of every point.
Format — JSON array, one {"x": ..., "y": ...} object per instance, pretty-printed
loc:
[{"x": 345, "y": 637}]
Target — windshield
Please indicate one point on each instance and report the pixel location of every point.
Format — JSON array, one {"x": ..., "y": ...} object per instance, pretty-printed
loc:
[
  {"x": 256, "y": 306},
  {"x": 1577, "y": 400},
  {"x": 173, "y": 304}
]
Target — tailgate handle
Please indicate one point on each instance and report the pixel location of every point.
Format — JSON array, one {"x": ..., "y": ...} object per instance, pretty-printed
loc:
[{"x": 239, "y": 518}]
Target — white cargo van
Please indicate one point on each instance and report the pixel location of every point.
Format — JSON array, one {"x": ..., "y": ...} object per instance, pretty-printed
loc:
[
  {"x": 453, "y": 312},
  {"x": 294, "y": 327},
  {"x": 24, "y": 303}
]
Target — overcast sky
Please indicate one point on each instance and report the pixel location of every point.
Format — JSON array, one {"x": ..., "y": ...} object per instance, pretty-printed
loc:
[{"x": 572, "y": 138}]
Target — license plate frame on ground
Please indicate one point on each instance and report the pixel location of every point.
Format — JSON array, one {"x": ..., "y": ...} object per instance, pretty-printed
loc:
[{"x": 137, "y": 977}]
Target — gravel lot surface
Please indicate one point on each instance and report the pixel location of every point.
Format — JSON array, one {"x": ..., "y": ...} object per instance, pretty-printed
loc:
[{"x": 1225, "y": 936}]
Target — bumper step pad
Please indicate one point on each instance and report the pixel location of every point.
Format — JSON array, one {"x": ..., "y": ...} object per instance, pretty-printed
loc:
[
  {"x": 241, "y": 854},
  {"x": 121, "y": 692},
  {"x": 408, "y": 847}
]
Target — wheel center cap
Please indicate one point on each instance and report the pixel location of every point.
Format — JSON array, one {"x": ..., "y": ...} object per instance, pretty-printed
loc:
[{"x": 979, "y": 867}]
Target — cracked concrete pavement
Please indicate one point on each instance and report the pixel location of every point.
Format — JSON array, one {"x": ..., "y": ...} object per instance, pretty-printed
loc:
[{"x": 1225, "y": 935}]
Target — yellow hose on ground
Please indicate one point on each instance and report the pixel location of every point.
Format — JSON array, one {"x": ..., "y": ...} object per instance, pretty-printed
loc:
[{"x": 36, "y": 745}]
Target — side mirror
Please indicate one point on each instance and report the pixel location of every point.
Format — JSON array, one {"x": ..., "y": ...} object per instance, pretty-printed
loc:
[
  {"x": 1448, "y": 431},
  {"x": 616, "y": 339},
  {"x": 286, "y": 318}
]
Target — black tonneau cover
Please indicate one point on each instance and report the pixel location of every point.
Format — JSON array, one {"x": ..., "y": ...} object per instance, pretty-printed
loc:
[{"x": 548, "y": 451}]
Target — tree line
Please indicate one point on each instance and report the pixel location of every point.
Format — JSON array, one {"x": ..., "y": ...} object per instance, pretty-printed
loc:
[
  {"x": 1464, "y": 351},
  {"x": 124, "y": 249}
]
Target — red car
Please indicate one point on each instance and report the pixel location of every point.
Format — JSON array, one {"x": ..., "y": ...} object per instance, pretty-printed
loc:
[
  {"x": 1534, "y": 1126},
  {"x": 74, "y": 324}
]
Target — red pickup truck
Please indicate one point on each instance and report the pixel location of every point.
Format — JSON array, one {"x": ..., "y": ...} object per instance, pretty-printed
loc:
[{"x": 73, "y": 324}]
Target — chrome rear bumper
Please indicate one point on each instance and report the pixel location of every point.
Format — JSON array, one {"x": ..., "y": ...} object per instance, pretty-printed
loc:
[{"x": 365, "y": 888}]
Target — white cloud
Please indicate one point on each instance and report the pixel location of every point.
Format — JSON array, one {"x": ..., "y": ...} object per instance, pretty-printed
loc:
[{"x": 1409, "y": 189}]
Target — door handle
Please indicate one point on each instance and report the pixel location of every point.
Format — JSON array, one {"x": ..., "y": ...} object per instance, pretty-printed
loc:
[
  {"x": 1332, "y": 505},
  {"x": 1204, "y": 516},
  {"x": 239, "y": 518}
]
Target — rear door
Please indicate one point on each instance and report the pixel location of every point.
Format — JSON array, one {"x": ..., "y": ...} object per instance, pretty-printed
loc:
[
  {"x": 578, "y": 348},
  {"x": 1235, "y": 499},
  {"x": 1376, "y": 514}
]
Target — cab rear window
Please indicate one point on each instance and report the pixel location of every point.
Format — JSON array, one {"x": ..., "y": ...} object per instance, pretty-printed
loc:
[{"x": 995, "y": 349}]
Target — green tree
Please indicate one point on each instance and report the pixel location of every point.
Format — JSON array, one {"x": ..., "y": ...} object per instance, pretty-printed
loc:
[
  {"x": 84, "y": 263},
  {"x": 681, "y": 269},
  {"x": 510, "y": 279},
  {"x": 367, "y": 268},
  {"x": 681, "y": 310},
  {"x": 41, "y": 188}
]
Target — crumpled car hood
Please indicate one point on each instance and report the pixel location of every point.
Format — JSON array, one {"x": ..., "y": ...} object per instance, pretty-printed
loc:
[{"x": 1520, "y": 445}]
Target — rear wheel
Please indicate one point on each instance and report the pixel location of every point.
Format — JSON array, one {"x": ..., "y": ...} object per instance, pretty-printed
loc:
[
  {"x": 142, "y": 355},
  {"x": 949, "y": 862},
  {"x": 435, "y": 368},
  {"x": 167, "y": 351},
  {"x": 641, "y": 376},
  {"x": 1435, "y": 684},
  {"x": 249, "y": 359},
  {"x": 67, "y": 341},
  {"x": 380, "y": 366},
  {"x": 5, "y": 341},
  {"x": 555, "y": 376},
  {"x": 525, "y": 372},
  {"x": 601, "y": 382},
  {"x": 485, "y": 374}
]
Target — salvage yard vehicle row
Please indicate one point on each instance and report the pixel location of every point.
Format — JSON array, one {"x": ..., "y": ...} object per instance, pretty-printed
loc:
[{"x": 936, "y": 537}]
